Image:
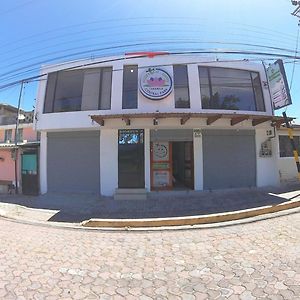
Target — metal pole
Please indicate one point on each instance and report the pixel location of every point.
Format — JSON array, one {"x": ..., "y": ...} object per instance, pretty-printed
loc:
[
  {"x": 295, "y": 152},
  {"x": 16, "y": 138}
]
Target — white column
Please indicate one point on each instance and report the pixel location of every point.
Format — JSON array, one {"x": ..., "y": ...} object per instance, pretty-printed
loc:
[
  {"x": 194, "y": 84},
  {"x": 43, "y": 162},
  {"x": 267, "y": 169},
  {"x": 108, "y": 161},
  {"x": 147, "y": 159},
  {"x": 198, "y": 162},
  {"x": 117, "y": 87}
]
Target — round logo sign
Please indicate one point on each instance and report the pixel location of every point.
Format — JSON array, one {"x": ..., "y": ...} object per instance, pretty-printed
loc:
[{"x": 155, "y": 84}]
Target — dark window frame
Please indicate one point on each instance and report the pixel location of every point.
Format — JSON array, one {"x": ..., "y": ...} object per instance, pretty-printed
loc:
[
  {"x": 20, "y": 135},
  {"x": 208, "y": 68},
  {"x": 54, "y": 91},
  {"x": 7, "y": 133},
  {"x": 182, "y": 86},
  {"x": 136, "y": 90},
  {"x": 100, "y": 88}
]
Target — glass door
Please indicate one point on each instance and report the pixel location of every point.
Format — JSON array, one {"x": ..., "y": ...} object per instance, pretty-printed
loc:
[{"x": 131, "y": 172}]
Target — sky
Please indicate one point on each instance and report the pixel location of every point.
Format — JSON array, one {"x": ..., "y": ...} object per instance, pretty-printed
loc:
[{"x": 37, "y": 32}]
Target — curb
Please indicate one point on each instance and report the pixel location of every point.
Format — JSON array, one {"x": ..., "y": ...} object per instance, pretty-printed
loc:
[{"x": 191, "y": 220}]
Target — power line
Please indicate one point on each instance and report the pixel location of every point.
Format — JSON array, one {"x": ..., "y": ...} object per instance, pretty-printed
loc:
[
  {"x": 296, "y": 51},
  {"x": 134, "y": 45},
  {"x": 234, "y": 52}
]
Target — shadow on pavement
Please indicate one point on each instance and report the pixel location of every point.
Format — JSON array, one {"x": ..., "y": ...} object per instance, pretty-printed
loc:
[{"x": 80, "y": 207}]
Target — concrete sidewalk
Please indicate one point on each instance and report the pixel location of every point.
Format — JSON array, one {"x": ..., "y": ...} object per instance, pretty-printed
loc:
[{"x": 76, "y": 208}]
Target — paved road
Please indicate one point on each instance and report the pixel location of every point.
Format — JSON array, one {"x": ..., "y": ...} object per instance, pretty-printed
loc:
[{"x": 251, "y": 261}]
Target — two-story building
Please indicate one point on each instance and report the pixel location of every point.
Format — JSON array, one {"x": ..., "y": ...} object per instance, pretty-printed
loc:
[
  {"x": 155, "y": 122},
  {"x": 18, "y": 160}
]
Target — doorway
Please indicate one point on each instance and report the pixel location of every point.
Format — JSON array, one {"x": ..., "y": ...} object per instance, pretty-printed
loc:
[
  {"x": 172, "y": 165},
  {"x": 183, "y": 165},
  {"x": 131, "y": 172},
  {"x": 30, "y": 178}
]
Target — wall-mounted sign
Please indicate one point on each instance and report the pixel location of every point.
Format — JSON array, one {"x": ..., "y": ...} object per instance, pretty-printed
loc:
[
  {"x": 278, "y": 84},
  {"x": 160, "y": 151},
  {"x": 155, "y": 84}
]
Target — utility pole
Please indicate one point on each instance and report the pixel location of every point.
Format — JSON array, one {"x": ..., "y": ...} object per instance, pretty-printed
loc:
[{"x": 16, "y": 151}]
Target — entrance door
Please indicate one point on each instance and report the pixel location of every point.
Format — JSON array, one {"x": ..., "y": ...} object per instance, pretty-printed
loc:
[
  {"x": 131, "y": 159},
  {"x": 161, "y": 166},
  {"x": 183, "y": 165},
  {"x": 30, "y": 182}
]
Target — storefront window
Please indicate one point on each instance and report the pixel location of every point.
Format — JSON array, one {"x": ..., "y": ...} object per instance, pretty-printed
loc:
[{"x": 231, "y": 89}]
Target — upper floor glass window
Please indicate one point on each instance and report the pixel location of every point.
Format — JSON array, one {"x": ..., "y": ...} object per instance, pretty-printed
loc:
[
  {"x": 232, "y": 89},
  {"x": 88, "y": 89},
  {"x": 8, "y": 135},
  {"x": 20, "y": 135},
  {"x": 64, "y": 91},
  {"x": 105, "y": 89},
  {"x": 130, "y": 87},
  {"x": 181, "y": 87},
  {"x": 68, "y": 92}
]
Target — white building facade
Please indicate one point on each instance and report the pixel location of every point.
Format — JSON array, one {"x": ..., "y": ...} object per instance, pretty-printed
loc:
[{"x": 156, "y": 122}]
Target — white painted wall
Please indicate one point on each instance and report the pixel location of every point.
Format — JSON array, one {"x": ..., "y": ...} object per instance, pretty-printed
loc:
[
  {"x": 147, "y": 156},
  {"x": 287, "y": 169},
  {"x": 81, "y": 119},
  {"x": 43, "y": 162},
  {"x": 198, "y": 163},
  {"x": 108, "y": 161},
  {"x": 267, "y": 172}
]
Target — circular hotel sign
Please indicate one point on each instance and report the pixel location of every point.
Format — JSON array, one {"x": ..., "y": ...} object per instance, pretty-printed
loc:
[{"x": 155, "y": 84}]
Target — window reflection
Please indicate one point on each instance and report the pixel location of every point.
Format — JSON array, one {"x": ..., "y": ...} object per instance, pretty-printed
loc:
[
  {"x": 129, "y": 137},
  {"x": 223, "y": 88}
]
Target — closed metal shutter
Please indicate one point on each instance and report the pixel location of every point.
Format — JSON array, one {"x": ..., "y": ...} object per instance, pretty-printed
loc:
[
  {"x": 229, "y": 159},
  {"x": 73, "y": 162}
]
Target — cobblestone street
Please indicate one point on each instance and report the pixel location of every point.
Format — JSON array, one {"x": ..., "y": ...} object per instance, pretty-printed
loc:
[{"x": 258, "y": 260}]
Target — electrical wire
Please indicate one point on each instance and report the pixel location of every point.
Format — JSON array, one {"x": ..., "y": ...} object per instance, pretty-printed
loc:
[
  {"x": 234, "y": 52},
  {"x": 134, "y": 45},
  {"x": 296, "y": 51}
]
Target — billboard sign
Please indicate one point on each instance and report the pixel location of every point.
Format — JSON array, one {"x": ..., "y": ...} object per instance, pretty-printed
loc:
[{"x": 278, "y": 85}]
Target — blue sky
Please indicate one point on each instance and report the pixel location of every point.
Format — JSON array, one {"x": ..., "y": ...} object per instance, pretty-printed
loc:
[{"x": 34, "y": 32}]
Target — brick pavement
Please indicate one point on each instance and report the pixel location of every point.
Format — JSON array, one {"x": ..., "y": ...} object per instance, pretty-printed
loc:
[
  {"x": 258, "y": 260},
  {"x": 79, "y": 207}
]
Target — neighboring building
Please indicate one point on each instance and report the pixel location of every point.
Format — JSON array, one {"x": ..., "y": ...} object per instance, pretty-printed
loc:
[
  {"x": 287, "y": 165},
  {"x": 26, "y": 151},
  {"x": 155, "y": 122}
]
